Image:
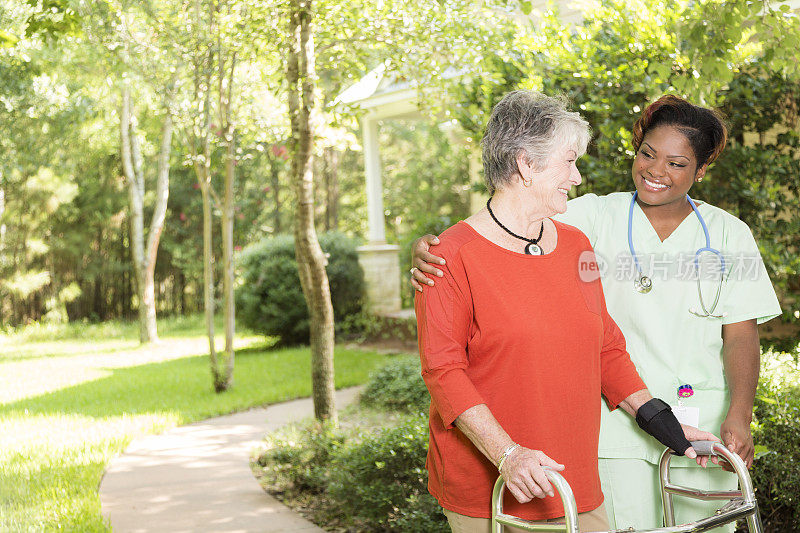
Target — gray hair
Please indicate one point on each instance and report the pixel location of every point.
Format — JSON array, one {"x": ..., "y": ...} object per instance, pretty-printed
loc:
[{"x": 531, "y": 123}]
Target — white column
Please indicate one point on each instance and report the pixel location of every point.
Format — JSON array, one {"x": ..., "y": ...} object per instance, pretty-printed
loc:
[
  {"x": 381, "y": 265},
  {"x": 372, "y": 169},
  {"x": 379, "y": 260}
]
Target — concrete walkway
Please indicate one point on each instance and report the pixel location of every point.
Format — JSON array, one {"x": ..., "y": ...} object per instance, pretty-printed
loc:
[{"x": 197, "y": 478}]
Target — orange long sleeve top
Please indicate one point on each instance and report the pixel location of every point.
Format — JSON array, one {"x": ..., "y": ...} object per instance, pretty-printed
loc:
[{"x": 527, "y": 337}]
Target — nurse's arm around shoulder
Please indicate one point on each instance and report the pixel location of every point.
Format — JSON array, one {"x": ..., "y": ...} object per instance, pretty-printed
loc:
[
  {"x": 422, "y": 262},
  {"x": 520, "y": 467},
  {"x": 741, "y": 355}
]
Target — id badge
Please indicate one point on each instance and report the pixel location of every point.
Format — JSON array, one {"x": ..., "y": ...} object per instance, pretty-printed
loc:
[{"x": 689, "y": 416}]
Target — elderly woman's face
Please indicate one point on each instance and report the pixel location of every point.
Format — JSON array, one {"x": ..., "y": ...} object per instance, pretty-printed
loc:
[{"x": 552, "y": 184}]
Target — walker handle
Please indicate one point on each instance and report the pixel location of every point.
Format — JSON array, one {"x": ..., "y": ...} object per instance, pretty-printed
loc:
[
  {"x": 704, "y": 447},
  {"x": 570, "y": 525}
]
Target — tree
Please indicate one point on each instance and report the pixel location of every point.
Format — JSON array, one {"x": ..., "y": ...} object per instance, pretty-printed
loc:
[
  {"x": 144, "y": 256},
  {"x": 144, "y": 248},
  {"x": 210, "y": 116},
  {"x": 311, "y": 261},
  {"x": 220, "y": 51},
  {"x": 354, "y": 35},
  {"x": 128, "y": 52}
]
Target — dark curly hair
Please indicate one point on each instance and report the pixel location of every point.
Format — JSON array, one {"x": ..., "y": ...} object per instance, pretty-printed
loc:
[{"x": 704, "y": 128}]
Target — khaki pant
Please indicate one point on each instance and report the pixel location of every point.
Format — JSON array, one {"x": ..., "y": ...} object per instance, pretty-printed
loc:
[{"x": 595, "y": 520}]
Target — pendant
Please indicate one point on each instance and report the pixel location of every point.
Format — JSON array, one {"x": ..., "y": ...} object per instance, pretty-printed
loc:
[
  {"x": 534, "y": 249},
  {"x": 643, "y": 284}
]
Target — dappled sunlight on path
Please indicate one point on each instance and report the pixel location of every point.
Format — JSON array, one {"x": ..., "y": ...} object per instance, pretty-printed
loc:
[{"x": 198, "y": 477}]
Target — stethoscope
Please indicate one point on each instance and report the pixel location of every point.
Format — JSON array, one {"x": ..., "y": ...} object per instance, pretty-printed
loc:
[{"x": 644, "y": 284}]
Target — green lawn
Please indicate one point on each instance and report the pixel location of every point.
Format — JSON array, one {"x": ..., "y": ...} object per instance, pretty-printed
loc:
[{"x": 73, "y": 397}]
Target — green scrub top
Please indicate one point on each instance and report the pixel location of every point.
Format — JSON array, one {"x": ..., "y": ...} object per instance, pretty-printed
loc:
[{"x": 669, "y": 345}]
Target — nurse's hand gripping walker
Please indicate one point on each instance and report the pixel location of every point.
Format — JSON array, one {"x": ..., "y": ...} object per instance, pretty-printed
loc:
[
  {"x": 740, "y": 503},
  {"x": 644, "y": 284}
]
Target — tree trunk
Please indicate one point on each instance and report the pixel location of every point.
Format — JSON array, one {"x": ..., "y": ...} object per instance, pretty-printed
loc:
[
  {"x": 132, "y": 167},
  {"x": 276, "y": 199},
  {"x": 157, "y": 224},
  {"x": 208, "y": 276},
  {"x": 180, "y": 287},
  {"x": 2, "y": 233},
  {"x": 226, "y": 378},
  {"x": 331, "y": 174},
  {"x": 98, "y": 299},
  {"x": 228, "y": 214},
  {"x": 144, "y": 257},
  {"x": 310, "y": 259},
  {"x": 2, "y": 211},
  {"x": 201, "y": 146}
]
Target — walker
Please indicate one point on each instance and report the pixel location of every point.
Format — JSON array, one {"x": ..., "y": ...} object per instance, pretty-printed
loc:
[{"x": 740, "y": 503}]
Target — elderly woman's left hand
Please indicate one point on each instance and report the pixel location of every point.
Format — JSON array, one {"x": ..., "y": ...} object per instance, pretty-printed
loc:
[
  {"x": 524, "y": 476},
  {"x": 692, "y": 433}
]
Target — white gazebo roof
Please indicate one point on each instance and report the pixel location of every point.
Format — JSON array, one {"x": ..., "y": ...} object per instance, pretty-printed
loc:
[
  {"x": 385, "y": 95},
  {"x": 382, "y": 95}
]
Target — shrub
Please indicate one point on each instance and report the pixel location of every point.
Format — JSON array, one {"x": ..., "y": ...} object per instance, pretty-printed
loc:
[
  {"x": 366, "y": 327},
  {"x": 381, "y": 481},
  {"x": 300, "y": 456},
  {"x": 398, "y": 386},
  {"x": 269, "y": 298},
  {"x": 363, "y": 482},
  {"x": 776, "y": 431}
]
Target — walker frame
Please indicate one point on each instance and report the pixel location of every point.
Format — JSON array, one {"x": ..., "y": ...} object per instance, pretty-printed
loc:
[{"x": 740, "y": 503}]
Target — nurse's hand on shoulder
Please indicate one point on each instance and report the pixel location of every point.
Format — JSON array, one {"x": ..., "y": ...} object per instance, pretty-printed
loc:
[
  {"x": 735, "y": 433},
  {"x": 524, "y": 476},
  {"x": 692, "y": 433},
  {"x": 423, "y": 261}
]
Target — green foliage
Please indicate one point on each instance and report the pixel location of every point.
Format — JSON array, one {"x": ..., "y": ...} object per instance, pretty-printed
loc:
[
  {"x": 269, "y": 298},
  {"x": 362, "y": 482},
  {"x": 302, "y": 455},
  {"x": 428, "y": 171},
  {"x": 368, "y": 327},
  {"x": 398, "y": 386},
  {"x": 381, "y": 481},
  {"x": 53, "y": 19},
  {"x": 776, "y": 431},
  {"x": 614, "y": 65},
  {"x": 756, "y": 176}
]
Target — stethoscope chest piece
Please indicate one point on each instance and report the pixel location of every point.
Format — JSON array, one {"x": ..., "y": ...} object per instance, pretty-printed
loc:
[{"x": 643, "y": 284}]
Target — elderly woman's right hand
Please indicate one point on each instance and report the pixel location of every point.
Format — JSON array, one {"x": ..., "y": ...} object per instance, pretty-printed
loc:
[
  {"x": 524, "y": 476},
  {"x": 422, "y": 261}
]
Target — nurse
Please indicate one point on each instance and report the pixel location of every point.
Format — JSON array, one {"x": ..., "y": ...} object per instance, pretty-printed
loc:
[{"x": 686, "y": 284}]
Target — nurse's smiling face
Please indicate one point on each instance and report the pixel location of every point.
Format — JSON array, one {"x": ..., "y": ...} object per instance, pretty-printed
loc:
[{"x": 665, "y": 167}]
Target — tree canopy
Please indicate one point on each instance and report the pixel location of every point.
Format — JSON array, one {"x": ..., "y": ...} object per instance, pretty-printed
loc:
[{"x": 64, "y": 232}]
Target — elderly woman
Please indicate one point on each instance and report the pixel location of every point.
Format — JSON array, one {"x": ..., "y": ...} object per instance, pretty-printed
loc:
[{"x": 516, "y": 348}]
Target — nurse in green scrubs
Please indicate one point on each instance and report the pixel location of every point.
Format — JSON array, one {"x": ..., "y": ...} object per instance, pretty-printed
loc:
[{"x": 661, "y": 292}]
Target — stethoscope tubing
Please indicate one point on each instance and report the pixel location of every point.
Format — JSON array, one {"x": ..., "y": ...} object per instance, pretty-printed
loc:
[{"x": 707, "y": 248}]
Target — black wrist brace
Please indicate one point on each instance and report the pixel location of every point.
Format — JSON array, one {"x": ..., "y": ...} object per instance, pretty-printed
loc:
[{"x": 656, "y": 418}]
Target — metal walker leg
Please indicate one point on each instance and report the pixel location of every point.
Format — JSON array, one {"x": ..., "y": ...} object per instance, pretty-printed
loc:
[{"x": 741, "y": 503}]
